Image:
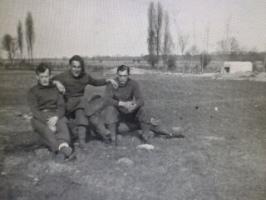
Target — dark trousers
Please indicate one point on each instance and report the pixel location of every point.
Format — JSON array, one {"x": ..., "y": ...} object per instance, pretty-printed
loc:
[
  {"x": 94, "y": 122},
  {"x": 133, "y": 121},
  {"x": 50, "y": 138},
  {"x": 113, "y": 116},
  {"x": 86, "y": 114}
]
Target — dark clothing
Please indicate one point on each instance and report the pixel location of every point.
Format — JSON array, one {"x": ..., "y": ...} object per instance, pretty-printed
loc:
[
  {"x": 75, "y": 88},
  {"x": 138, "y": 119},
  {"x": 129, "y": 92},
  {"x": 115, "y": 115},
  {"x": 77, "y": 105},
  {"x": 52, "y": 139},
  {"x": 95, "y": 104},
  {"x": 80, "y": 119},
  {"x": 44, "y": 101}
]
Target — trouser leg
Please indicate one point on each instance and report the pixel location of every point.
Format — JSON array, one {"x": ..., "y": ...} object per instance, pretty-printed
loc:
[
  {"x": 142, "y": 118},
  {"x": 111, "y": 119},
  {"x": 82, "y": 123},
  {"x": 97, "y": 123},
  {"x": 113, "y": 131},
  {"x": 48, "y": 137},
  {"x": 82, "y": 135},
  {"x": 62, "y": 133}
]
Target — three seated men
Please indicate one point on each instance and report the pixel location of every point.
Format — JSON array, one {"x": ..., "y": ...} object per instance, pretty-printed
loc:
[{"x": 122, "y": 102}]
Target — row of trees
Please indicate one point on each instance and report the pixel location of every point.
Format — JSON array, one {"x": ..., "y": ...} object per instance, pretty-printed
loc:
[
  {"x": 14, "y": 46},
  {"x": 161, "y": 44},
  {"x": 157, "y": 18},
  {"x": 160, "y": 41}
]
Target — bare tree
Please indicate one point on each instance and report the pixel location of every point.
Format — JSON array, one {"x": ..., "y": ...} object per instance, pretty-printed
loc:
[
  {"x": 228, "y": 34},
  {"x": 155, "y": 17},
  {"x": 204, "y": 57},
  {"x": 229, "y": 46},
  {"x": 207, "y": 38},
  {"x": 221, "y": 46},
  {"x": 30, "y": 36},
  {"x": 20, "y": 38},
  {"x": 9, "y": 45},
  {"x": 234, "y": 45},
  {"x": 151, "y": 35},
  {"x": 168, "y": 42},
  {"x": 158, "y": 29},
  {"x": 182, "y": 42}
]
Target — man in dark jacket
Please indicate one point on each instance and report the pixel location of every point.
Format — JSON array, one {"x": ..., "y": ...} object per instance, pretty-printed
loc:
[
  {"x": 48, "y": 109},
  {"x": 73, "y": 82},
  {"x": 126, "y": 104}
]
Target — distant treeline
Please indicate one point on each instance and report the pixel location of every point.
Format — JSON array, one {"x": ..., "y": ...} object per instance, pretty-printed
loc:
[{"x": 186, "y": 63}]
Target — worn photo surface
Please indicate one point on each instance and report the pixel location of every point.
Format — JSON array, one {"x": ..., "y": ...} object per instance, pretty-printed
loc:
[{"x": 133, "y": 99}]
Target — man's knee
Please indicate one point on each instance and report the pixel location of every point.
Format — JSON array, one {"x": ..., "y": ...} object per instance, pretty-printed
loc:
[
  {"x": 98, "y": 124},
  {"x": 47, "y": 137},
  {"x": 81, "y": 118},
  {"x": 62, "y": 121},
  {"x": 110, "y": 114},
  {"x": 142, "y": 115}
]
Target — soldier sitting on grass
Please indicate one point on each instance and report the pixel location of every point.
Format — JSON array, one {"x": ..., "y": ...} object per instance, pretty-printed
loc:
[
  {"x": 126, "y": 104},
  {"x": 72, "y": 83},
  {"x": 48, "y": 110}
]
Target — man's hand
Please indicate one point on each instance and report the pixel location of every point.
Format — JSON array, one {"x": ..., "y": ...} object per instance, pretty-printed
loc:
[
  {"x": 130, "y": 106},
  {"x": 61, "y": 88},
  {"x": 52, "y": 123},
  {"x": 113, "y": 82}
]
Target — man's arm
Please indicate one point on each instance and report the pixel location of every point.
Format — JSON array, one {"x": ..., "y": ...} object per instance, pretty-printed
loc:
[
  {"x": 33, "y": 104},
  {"x": 52, "y": 121},
  {"x": 108, "y": 96},
  {"x": 61, "y": 109},
  {"x": 102, "y": 82},
  {"x": 137, "y": 95},
  {"x": 96, "y": 82},
  {"x": 57, "y": 80}
]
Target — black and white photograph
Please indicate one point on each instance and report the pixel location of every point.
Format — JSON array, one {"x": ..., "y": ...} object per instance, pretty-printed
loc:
[{"x": 132, "y": 99}]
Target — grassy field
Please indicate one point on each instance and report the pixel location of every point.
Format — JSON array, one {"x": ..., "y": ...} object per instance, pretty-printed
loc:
[{"x": 222, "y": 156}]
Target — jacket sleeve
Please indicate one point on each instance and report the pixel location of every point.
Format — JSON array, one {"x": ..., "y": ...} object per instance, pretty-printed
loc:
[
  {"x": 58, "y": 77},
  {"x": 61, "y": 109},
  {"x": 96, "y": 82},
  {"x": 137, "y": 95},
  {"x": 108, "y": 96},
  {"x": 33, "y": 104}
]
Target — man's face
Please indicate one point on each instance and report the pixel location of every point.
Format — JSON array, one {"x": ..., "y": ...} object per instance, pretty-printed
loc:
[
  {"x": 75, "y": 68},
  {"x": 44, "y": 78},
  {"x": 122, "y": 77}
]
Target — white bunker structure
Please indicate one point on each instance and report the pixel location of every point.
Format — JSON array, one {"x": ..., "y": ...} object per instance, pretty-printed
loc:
[{"x": 234, "y": 67}]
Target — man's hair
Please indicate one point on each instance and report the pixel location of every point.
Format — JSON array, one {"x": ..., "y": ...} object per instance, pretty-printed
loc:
[
  {"x": 42, "y": 67},
  {"x": 123, "y": 68},
  {"x": 79, "y": 59}
]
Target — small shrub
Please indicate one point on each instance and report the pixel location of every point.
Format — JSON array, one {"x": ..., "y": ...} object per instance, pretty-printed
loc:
[{"x": 171, "y": 63}]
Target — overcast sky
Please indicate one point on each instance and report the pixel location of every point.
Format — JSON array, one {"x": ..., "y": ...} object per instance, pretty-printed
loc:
[{"x": 119, "y": 27}]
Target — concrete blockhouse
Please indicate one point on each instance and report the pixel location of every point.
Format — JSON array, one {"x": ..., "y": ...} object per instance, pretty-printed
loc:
[{"x": 234, "y": 67}]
